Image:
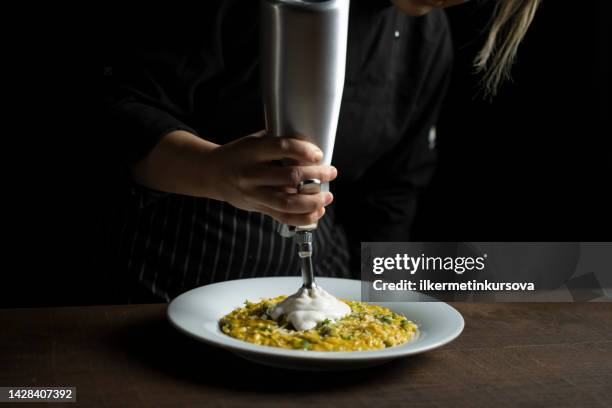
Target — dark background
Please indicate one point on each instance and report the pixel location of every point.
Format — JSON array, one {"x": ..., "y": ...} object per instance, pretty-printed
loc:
[
  {"x": 532, "y": 165},
  {"x": 535, "y": 163}
]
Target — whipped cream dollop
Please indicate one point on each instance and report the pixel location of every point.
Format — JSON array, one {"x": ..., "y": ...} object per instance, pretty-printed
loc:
[{"x": 307, "y": 307}]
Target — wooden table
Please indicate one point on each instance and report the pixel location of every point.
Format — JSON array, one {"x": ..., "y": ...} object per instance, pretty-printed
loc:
[{"x": 526, "y": 355}]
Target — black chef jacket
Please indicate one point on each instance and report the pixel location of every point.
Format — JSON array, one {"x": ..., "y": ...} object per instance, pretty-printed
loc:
[{"x": 197, "y": 70}]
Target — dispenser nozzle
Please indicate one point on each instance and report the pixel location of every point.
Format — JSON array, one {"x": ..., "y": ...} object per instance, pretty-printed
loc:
[{"x": 304, "y": 243}]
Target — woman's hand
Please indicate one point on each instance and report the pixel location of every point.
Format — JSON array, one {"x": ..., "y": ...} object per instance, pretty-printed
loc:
[
  {"x": 248, "y": 174},
  {"x": 420, "y": 7}
]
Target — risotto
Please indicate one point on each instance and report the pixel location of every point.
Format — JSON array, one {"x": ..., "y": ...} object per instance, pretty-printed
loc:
[{"x": 366, "y": 327}]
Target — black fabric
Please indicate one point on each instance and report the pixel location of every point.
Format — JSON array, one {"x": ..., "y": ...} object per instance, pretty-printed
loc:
[{"x": 198, "y": 70}]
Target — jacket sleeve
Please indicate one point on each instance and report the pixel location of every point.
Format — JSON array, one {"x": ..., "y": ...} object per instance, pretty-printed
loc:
[{"x": 144, "y": 98}]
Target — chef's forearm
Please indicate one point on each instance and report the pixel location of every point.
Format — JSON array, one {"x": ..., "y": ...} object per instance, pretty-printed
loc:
[{"x": 177, "y": 164}]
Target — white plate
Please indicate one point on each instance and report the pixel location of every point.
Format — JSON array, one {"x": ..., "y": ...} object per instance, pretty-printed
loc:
[{"x": 197, "y": 313}]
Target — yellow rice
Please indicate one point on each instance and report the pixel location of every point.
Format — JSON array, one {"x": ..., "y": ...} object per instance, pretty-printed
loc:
[{"x": 367, "y": 327}]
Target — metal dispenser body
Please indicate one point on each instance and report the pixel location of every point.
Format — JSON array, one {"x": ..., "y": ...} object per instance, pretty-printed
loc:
[{"x": 303, "y": 60}]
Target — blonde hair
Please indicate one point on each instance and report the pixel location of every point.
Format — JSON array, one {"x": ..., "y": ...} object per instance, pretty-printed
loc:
[{"x": 508, "y": 27}]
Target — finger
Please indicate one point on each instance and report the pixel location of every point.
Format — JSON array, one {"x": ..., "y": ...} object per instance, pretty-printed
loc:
[
  {"x": 413, "y": 8},
  {"x": 291, "y": 203},
  {"x": 421, "y": 7},
  {"x": 444, "y": 3},
  {"x": 259, "y": 133},
  {"x": 278, "y": 148},
  {"x": 293, "y": 219},
  {"x": 288, "y": 189},
  {"x": 272, "y": 175}
]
